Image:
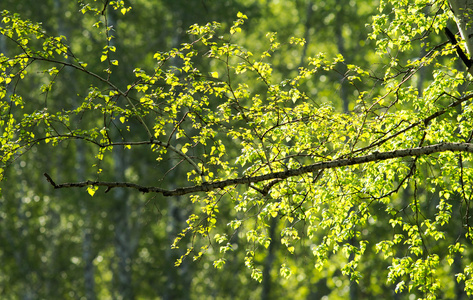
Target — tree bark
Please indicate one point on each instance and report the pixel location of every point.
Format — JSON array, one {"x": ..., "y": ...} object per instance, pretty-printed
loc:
[
  {"x": 276, "y": 176},
  {"x": 463, "y": 12}
]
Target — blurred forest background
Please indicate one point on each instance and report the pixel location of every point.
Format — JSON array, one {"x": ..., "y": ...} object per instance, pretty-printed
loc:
[{"x": 65, "y": 244}]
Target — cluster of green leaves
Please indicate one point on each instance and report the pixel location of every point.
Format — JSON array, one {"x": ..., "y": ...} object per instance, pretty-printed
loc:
[{"x": 240, "y": 119}]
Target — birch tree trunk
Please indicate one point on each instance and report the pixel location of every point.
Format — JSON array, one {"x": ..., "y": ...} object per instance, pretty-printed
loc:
[
  {"x": 125, "y": 243},
  {"x": 268, "y": 263},
  {"x": 463, "y": 11},
  {"x": 88, "y": 254}
]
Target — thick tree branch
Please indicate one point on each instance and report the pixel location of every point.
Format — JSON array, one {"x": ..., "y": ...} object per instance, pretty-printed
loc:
[{"x": 206, "y": 187}]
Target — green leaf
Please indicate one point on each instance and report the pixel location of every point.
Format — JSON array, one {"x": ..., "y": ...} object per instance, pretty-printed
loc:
[{"x": 92, "y": 189}]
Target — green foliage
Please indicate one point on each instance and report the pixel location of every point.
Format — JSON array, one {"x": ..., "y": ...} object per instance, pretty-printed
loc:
[{"x": 235, "y": 134}]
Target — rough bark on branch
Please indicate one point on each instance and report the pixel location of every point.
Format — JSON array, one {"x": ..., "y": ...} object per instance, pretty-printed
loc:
[{"x": 337, "y": 163}]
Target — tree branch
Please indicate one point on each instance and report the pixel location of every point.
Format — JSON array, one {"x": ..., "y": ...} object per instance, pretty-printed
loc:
[
  {"x": 108, "y": 184},
  {"x": 423, "y": 121},
  {"x": 337, "y": 163},
  {"x": 459, "y": 50}
]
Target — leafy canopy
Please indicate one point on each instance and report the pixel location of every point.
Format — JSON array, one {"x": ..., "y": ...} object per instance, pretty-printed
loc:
[{"x": 242, "y": 135}]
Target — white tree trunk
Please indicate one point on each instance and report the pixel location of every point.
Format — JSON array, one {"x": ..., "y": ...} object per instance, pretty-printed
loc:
[{"x": 463, "y": 11}]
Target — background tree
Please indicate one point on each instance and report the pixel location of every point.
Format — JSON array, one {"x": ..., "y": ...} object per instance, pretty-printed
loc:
[{"x": 344, "y": 173}]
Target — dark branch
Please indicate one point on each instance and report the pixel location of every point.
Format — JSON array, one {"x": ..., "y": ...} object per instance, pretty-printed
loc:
[
  {"x": 277, "y": 176},
  {"x": 104, "y": 7},
  {"x": 109, "y": 185},
  {"x": 48, "y": 178},
  {"x": 460, "y": 52}
]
